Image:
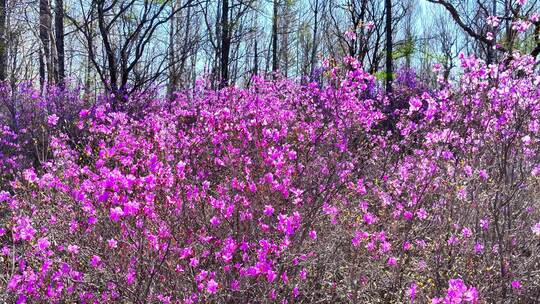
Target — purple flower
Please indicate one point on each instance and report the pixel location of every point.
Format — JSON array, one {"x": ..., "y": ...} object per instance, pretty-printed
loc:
[
  {"x": 43, "y": 243},
  {"x": 52, "y": 119},
  {"x": 536, "y": 229},
  {"x": 112, "y": 243},
  {"x": 95, "y": 260},
  {"x": 74, "y": 249},
  {"x": 212, "y": 286},
  {"x": 115, "y": 214},
  {"x": 268, "y": 210},
  {"x": 411, "y": 292}
]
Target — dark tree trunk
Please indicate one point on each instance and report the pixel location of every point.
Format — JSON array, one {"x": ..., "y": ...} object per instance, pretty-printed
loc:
[
  {"x": 490, "y": 47},
  {"x": 315, "y": 33},
  {"x": 44, "y": 36},
  {"x": 110, "y": 55},
  {"x": 275, "y": 61},
  {"x": 59, "y": 32},
  {"x": 173, "y": 80},
  {"x": 225, "y": 43},
  {"x": 389, "y": 45},
  {"x": 3, "y": 41},
  {"x": 256, "y": 59}
]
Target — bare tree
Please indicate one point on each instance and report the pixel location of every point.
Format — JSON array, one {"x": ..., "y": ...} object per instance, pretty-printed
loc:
[
  {"x": 59, "y": 36},
  {"x": 275, "y": 16},
  {"x": 3, "y": 41},
  {"x": 45, "y": 70},
  {"x": 316, "y": 7},
  {"x": 389, "y": 46},
  {"x": 126, "y": 41},
  {"x": 472, "y": 20}
]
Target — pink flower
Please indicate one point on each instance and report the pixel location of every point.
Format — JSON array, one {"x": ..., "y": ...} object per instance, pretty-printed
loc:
[
  {"x": 292, "y": 155},
  {"x": 452, "y": 240},
  {"x": 447, "y": 155},
  {"x": 112, "y": 243},
  {"x": 411, "y": 292},
  {"x": 493, "y": 21},
  {"x": 73, "y": 249},
  {"x": 483, "y": 174},
  {"x": 268, "y": 210},
  {"x": 478, "y": 248},
  {"x": 302, "y": 274},
  {"x": 421, "y": 213},
  {"x": 408, "y": 215},
  {"x": 536, "y": 229},
  {"x": 466, "y": 232},
  {"x": 350, "y": 35},
  {"x": 83, "y": 113},
  {"x": 369, "y": 218},
  {"x": 369, "y": 25},
  {"x": 194, "y": 262},
  {"x": 385, "y": 246},
  {"x": 295, "y": 291},
  {"x": 516, "y": 285},
  {"x": 43, "y": 243},
  {"x": 471, "y": 295},
  {"x": 392, "y": 261},
  {"x": 484, "y": 223},
  {"x": 215, "y": 221},
  {"x": 284, "y": 277},
  {"x": 521, "y": 25},
  {"x": 115, "y": 214},
  {"x": 23, "y": 229},
  {"x": 270, "y": 275},
  {"x": 201, "y": 276},
  {"x": 95, "y": 261},
  {"x": 130, "y": 276},
  {"x": 131, "y": 208},
  {"x": 212, "y": 286},
  {"x": 407, "y": 246},
  {"x": 415, "y": 104},
  {"x": 313, "y": 234},
  {"x": 52, "y": 119}
]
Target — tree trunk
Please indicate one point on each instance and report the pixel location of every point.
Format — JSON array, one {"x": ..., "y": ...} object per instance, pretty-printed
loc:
[
  {"x": 389, "y": 64},
  {"x": 173, "y": 75},
  {"x": 490, "y": 46},
  {"x": 59, "y": 32},
  {"x": 3, "y": 41},
  {"x": 44, "y": 36},
  {"x": 184, "y": 21},
  {"x": 225, "y": 44},
  {"x": 285, "y": 29},
  {"x": 315, "y": 32},
  {"x": 256, "y": 59},
  {"x": 275, "y": 61}
]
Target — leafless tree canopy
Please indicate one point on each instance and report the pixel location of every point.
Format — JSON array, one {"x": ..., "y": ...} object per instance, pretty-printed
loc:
[{"x": 124, "y": 46}]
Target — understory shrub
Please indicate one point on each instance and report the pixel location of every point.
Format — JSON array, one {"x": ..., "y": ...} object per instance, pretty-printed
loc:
[{"x": 279, "y": 192}]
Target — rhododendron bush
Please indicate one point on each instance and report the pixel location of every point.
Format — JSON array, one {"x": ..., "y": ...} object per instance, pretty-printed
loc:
[{"x": 280, "y": 192}]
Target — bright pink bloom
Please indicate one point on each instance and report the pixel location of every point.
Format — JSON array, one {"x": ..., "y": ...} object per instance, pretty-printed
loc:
[{"x": 212, "y": 286}]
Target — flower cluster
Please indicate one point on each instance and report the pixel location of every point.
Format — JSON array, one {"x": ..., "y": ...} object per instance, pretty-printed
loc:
[
  {"x": 280, "y": 192},
  {"x": 458, "y": 292}
]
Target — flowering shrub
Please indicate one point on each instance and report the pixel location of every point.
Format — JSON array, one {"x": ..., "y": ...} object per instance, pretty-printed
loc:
[
  {"x": 458, "y": 292},
  {"x": 283, "y": 192}
]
